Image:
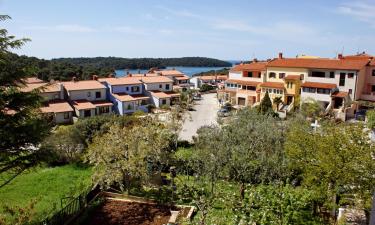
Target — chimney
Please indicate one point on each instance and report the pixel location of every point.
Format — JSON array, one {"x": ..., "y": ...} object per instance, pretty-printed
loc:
[
  {"x": 110, "y": 75},
  {"x": 130, "y": 75},
  {"x": 255, "y": 60},
  {"x": 74, "y": 79},
  {"x": 339, "y": 56},
  {"x": 127, "y": 72},
  {"x": 280, "y": 55},
  {"x": 61, "y": 90},
  {"x": 144, "y": 75},
  {"x": 94, "y": 77}
]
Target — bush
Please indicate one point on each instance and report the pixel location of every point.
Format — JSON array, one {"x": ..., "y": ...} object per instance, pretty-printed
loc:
[{"x": 206, "y": 87}]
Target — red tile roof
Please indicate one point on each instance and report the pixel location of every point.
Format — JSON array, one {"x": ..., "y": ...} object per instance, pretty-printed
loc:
[
  {"x": 83, "y": 85},
  {"x": 182, "y": 78},
  {"x": 344, "y": 64},
  {"x": 33, "y": 80},
  {"x": 57, "y": 107},
  {"x": 292, "y": 77},
  {"x": 143, "y": 75},
  {"x": 43, "y": 87},
  {"x": 243, "y": 82},
  {"x": 83, "y": 104},
  {"x": 156, "y": 79},
  {"x": 102, "y": 103},
  {"x": 121, "y": 80},
  {"x": 218, "y": 77},
  {"x": 255, "y": 66},
  {"x": 272, "y": 85},
  {"x": 128, "y": 98},
  {"x": 159, "y": 94},
  {"x": 174, "y": 73},
  {"x": 340, "y": 94},
  {"x": 319, "y": 85}
]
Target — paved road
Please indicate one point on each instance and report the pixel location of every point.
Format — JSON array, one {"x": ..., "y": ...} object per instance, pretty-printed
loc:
[{"x": 204, "y": 114}]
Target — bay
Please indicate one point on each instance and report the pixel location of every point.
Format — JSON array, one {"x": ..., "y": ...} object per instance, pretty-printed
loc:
[{"x": 189, "y": 71}]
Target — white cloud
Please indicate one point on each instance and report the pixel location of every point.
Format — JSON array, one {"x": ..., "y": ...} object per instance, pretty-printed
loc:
[
  {"x": 69, "y": 28},
  {"x": 359, "y": 10}
]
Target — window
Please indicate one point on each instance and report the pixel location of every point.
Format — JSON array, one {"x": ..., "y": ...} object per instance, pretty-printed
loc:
[
  {"x": 66, "y": 115},
  {"x": 272, "y": 75},
  {"x": 127, "y": 88},
  {"x": 302, "y": 76},
  {"x": 281, "y": 75},
  {"x": 160, "y": 86},
  {"x": 350, "y": 91},
  {"x": 57, "y": 96},
  {"x": 289, "y": 85},
  {"x": 88, "y": 94},
  {"x": 332, "y": 74},
  {"x": 324, "y": 91},
  {"x": 250, "y": 74},
  {"x": 87, "y": 113},
  {"x": 350, "y": 75},
  {"x": 135, "y": 89},
  {"x": 163, "y": 101},
  {"x": 103, "y": 110},
  {"x": 318, "y": 74},
  {"x": 373, "y": 72},
  {"x": 251, "y": 88},
  {"x": 98, "y": 94},
  {"x": 309, "y": 90},
  {"x": 373, "y": 88},
  {"x": 342, "y": 79}
]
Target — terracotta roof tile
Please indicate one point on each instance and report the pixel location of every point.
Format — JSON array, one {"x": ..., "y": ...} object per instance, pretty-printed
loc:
[
  {"x": 83, "y": 104},
  {"x": 272, "y": 85},
  {"x": 33, "y": 80},
  {"x": 292, "y": 77},
  {"x": 121, "y": 80},
  {"x": 143, "y": 75},
  {"x": 43, "y": 87},
  {"x": 219, "y": 77},
  {"x": 57, "y": 107},
  {"x": 83, "y": 85},
  {"x": 102, "y": 103},
  {"x": 340, "y": 94},
  {"x": 255, "y": 66},
  {"x": 157, "y": 79},
  {"x": 319, "y": 85},
  {"x": 182, "y": 78},
  {"x": 174, "y": 73},
  {"x": 159, "y": 94},
  {"x": 344, "y": 64},
  {"x": 243, "y": 82}
]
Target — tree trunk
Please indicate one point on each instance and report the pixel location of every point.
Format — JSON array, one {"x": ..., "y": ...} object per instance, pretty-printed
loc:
[{"x": 242, "y": 190}]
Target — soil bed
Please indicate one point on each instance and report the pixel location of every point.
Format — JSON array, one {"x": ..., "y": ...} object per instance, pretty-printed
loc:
[{"x": 113, "y": 212}]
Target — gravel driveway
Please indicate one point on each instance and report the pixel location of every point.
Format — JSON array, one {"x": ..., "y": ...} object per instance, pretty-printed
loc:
[{"x": 204, "y": 114}]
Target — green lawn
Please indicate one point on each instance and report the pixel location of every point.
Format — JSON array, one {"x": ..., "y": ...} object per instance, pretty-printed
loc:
[{"x": 46, "y": 186}]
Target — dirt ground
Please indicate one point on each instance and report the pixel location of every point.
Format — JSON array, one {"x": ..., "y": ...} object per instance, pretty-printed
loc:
[{"x": 126, "y": 213}]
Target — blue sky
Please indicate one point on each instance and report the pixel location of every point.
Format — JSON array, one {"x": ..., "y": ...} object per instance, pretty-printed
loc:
[{"x": 236, "y": 29}]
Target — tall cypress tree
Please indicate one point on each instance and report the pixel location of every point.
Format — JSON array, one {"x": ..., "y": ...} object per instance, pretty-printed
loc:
[
  {"x": 21, "y": 125},
  {"x": 266, "y": 104}
]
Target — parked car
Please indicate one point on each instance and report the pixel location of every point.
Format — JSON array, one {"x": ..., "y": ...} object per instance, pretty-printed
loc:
[{"x": 223, "y": 113}]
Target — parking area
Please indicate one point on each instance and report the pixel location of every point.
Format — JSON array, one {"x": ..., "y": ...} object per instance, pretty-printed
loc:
[{"x": 205, "y": 113}]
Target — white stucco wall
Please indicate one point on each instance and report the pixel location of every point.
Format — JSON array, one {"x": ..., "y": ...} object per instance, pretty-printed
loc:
[
  {"x": 315, "y": 96},
  {"x": 235, "y": 75},
  {"x": 156, "y": 87},
  {"x": 59, "y": 118},
  {"x": 123, "y": 89},
  {"x": 287, "y": 71},
  {"x": 83, "y": 94}
]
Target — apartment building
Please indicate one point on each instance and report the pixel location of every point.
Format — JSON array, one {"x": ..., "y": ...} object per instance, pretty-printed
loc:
[
  {"x": 198, "y": 81},
  {"x": 180, "y": 80},
  {"x": 53, "y": 106},
  {"x": 160, "y": 90},
  {"x": 126, "y": 94},
  {"x": 335, "y": 83},
  {"x": 87, "y": 97}
]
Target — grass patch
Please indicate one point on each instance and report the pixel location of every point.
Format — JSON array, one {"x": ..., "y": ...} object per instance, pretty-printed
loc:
[{"x": 45, "y": 186}]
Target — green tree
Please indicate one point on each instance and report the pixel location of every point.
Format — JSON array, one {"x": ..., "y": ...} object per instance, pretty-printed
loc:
[
  {"x": 265, "y": 106},
  {"x": 127, "y": 153},
  {"x": 311, "y": 109},
  {"x": 370, "y": 115},
  {"x": 335, "y": 160},
  {"x": 21, "y": 124}
]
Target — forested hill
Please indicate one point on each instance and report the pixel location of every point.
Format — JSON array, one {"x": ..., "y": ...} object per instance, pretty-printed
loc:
[
  {"x": 83, "y": 68},
  {"x": 143, "y": 63}
]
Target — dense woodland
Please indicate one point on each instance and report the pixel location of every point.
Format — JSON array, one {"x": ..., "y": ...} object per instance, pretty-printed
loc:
[{"x": 84, "y": 68}]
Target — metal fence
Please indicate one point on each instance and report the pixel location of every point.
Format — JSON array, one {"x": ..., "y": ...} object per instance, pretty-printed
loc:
[{"x": 72, "y": 209}]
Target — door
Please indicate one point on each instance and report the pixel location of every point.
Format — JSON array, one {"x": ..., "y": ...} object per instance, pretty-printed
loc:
[
  {"x": 342, "y": 79},
  {"x": 241, "y": 101},
  {"x": 289, "y": 100}
]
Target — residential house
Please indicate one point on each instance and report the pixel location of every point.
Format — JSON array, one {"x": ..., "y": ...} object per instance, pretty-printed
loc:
[
  {"x": 242, "y": 87},
  {"x": 53, "y": 106},
  {"x": 332, "y": 82},
  {"x": 180, "y": 80},
  {"x": 160, "y": 90},
  {"x": 198, "y": 81},
  {"x": 87, "y": 97},
  {"x": 126, "y": 94}
]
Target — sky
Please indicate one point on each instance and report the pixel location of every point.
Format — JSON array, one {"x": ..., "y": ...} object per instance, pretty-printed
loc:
[{"x": 228, "y": 30}]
